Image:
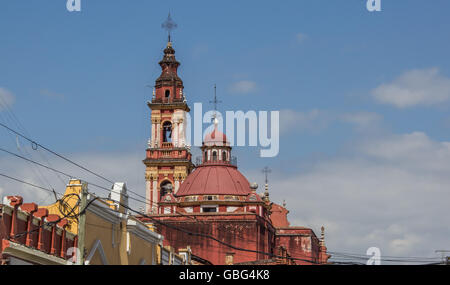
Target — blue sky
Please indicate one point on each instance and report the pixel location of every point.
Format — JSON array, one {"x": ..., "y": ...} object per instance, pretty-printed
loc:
[{"x": 78, "y": 85}]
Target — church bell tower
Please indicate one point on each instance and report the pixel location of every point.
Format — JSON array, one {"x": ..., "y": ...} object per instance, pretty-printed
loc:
[{"x": 168, "y": 157}]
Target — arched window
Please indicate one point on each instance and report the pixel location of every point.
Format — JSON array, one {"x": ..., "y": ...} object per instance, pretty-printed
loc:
[
  {"x": 205, "y": 159},
  {"x": 214, "y": 155},
  {"x": 165, "y": 188},
  {"x": 167, "y": 132},
  {"x": 224, "y": 156},
  {"x": 167, "y": 94}
]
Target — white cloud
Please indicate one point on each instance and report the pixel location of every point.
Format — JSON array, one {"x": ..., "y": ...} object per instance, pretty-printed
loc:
[
  {"x": 243, "y": 87},
  {"x": 391, "y": 192},
  {"x": 6, "y": 99},
  {"x": 415, "y": 87}
]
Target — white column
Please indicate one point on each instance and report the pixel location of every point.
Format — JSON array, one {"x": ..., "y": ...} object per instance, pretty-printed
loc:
[
  {"x": 182, "y": 136},
  {"x": 175, "y": 133},
  {"x": 155, "y": 194},
  {"x": 158, "y": 134},
  {"x": 153, "y": 134}
]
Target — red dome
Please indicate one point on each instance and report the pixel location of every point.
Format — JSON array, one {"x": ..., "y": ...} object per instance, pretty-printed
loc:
[
  {"x": 215, "y": 180},
  {"x": 216, "y": 137}
]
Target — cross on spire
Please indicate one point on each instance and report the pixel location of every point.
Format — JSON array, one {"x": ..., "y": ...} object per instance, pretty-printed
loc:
[
  {"x": 266, "y": 170},
  {"x": 169, "y": 25},
  {"x": 215, "y": 102}
]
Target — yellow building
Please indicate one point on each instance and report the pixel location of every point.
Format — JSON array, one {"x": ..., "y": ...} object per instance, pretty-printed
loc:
[{"x": 105, "y": 232}]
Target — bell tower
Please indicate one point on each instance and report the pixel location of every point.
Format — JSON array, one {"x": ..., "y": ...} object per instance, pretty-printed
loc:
[{"x": 168, "y": 157}]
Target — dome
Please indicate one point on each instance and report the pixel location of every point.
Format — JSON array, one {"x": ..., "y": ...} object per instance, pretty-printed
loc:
[
  {"x": 216, "y": 137},
  {"x": 215, "y": 180}
]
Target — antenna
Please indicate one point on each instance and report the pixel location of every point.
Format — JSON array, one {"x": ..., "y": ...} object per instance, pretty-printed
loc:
[{"x": 169, "y": 25}]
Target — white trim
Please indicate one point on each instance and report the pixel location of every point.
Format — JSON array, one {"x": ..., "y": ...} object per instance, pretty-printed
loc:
[
  {"x": 6, "y": 208},
  {"x": 128, "y": 243},
  {"x": 22, "y": 215},
  {"x": 97, "y": 246},
  {"x": 141, "y": 231},
  {"x": 32, "y": 255},
  {"x": 104, "y": 211}
]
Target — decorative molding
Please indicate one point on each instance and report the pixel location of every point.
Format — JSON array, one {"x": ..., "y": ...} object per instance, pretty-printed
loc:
[
  {"x": 141, "y": 231},
  {"x": 103, "y": 211},
  {"x": 32, "y": 255}
]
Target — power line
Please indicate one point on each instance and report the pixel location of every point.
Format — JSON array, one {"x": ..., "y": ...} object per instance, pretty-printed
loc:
[
  {"x": 29, "y": 184},
  {"x": 110, "y": 190},
  {"x": 90, "y": 183},
  {"x": 35, "y": 145},
  {"x": 13, "y": 119}
]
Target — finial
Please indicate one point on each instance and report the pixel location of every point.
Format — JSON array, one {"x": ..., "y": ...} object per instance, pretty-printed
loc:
[
  {"x": 169, "y": 25},
  {"x": 284, "y": 203},
  {"x": 154, "y": 93},
  {"x": 266, "y": 172},
  {"x": 322, "y": 235}
]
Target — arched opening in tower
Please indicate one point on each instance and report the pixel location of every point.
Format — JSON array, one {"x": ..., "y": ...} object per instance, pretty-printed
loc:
[
  {"x": 166, "y": 187},
  {"x": 167, "y": 132}
]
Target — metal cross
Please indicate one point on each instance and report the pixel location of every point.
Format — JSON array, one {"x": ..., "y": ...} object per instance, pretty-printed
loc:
[
  {"x": 266, "y": 170},
  {"x": 169, "y": 25},
  {"x": 215, "y": 101}
]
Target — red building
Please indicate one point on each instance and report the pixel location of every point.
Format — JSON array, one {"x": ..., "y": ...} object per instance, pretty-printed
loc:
[{"x": 212, "y": 207}]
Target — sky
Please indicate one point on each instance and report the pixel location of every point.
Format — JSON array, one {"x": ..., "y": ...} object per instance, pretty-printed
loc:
[{"x": 363, "y": 97}]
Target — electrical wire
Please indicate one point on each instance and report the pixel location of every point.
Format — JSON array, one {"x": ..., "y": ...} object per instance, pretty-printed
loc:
[
  {"x": 35, "y": 145},
  {"x": 29, "y": 184}
]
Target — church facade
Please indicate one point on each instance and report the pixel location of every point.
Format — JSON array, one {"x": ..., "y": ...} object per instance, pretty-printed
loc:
[{"x": 210, "y": 206}]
